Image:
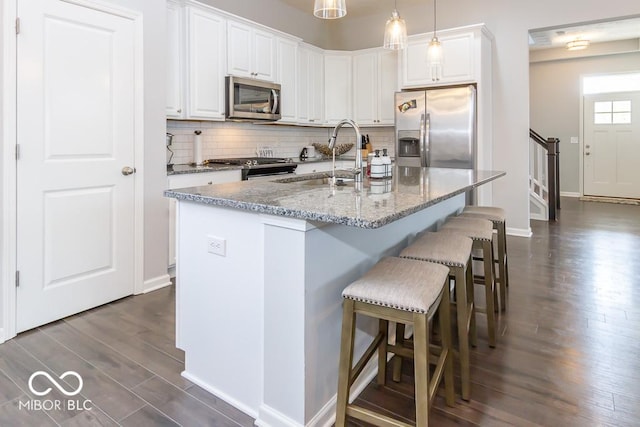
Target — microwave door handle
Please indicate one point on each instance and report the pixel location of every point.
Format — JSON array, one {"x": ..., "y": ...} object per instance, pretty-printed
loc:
[{"x": 274, "y": 95}]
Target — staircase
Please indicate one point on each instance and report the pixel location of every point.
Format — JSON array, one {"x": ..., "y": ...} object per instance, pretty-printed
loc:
[{"x": 544, "y": 177}]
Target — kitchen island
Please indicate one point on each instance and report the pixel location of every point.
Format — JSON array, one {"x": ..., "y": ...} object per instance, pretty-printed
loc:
[{"x": 260, "y": 271}]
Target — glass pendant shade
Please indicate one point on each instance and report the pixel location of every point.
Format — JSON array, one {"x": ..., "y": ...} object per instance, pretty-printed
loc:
[
  {"x": 395, "y": 32},
  {"x": 434, "y": 52},
  {"x": 330, "y": 9}
]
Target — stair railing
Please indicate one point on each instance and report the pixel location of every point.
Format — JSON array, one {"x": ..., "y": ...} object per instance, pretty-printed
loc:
[{"x": 544, "y": 177}]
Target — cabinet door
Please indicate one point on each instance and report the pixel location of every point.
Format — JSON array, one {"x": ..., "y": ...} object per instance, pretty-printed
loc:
[
  {"x": 365, "y": 88},
  {"x": 251, "y": 52},
  {"x": 457, "y": 58},
  {"x": 175, "y": 41},
  {"x": 457, "y": 61},
  {"x": 264, "y": 54},
  {"x": 338, "y": 88},
  {"x": 387, "y": 86},
  {"x": 316, "y": 87},
  {"x": 303, "y": 89},
  {"x": 205, "y": 57},
  {"x": 288, "y": 78},
  {"x": 239, "y": 50}
]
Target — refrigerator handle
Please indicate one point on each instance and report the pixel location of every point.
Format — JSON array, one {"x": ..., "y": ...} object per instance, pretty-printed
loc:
[
  {"x": 424, "y": 139},
  {"x": 427, "y": 139}
]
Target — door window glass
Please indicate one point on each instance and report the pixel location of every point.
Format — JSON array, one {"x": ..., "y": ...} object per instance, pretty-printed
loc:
[{"x": 612, "y": 112}]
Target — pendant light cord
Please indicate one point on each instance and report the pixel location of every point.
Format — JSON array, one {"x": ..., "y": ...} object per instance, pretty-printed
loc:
[{"x": 434, "y": 17}]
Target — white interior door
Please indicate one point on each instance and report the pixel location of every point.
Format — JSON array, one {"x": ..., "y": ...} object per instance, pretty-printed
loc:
[
  {"x": 75, "y": 112},
  {"x": 612, "y": 145}
]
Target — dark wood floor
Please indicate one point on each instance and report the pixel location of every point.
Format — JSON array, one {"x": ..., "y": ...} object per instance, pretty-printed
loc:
[{"x": 568, "y": 352}]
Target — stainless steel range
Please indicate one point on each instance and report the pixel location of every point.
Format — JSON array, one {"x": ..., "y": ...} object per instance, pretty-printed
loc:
[{"x": 258, "y": 167}]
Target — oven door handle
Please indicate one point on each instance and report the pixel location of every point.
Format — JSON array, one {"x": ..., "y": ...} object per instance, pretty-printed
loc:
[{"x": 274, "y": 97}]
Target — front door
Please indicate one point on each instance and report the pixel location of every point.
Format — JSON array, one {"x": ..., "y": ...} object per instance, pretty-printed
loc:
[
  {"x": 75, "y": 113},
  {"x": 612, "y": 145}
]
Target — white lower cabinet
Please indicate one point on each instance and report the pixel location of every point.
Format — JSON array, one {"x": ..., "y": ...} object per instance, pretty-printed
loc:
[{"x": 193, "y": 180}]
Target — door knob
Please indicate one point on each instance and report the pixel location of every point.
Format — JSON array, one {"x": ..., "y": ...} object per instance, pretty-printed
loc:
[{"x": 128, "y": 170}]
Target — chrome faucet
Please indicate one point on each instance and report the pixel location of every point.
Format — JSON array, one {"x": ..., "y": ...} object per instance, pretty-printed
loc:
[{"x": 332, "y": 143}]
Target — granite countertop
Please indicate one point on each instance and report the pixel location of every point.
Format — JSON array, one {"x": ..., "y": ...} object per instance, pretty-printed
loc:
[
  {"x": 184, "y": 169},
  {"x": 375, "y": 204}
]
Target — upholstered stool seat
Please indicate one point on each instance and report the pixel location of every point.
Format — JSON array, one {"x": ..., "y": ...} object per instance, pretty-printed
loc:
[
  {"x": 404, "y": 291},
  {"x": 481, "y": 232},
  {"x": 498, "y": 217},
  {"x": 454, "y": 251}
]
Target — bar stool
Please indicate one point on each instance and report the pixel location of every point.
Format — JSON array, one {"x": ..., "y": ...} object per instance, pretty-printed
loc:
[
  {"x": 453, "y": 251},
  {"x": 481, "y": 232},
  {"x": 498, "y": 218},
  {"x": 404, "y": 291}
]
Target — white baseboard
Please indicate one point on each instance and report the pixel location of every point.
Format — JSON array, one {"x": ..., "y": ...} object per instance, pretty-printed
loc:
[
  {"x": 220, "y": 395},
  {"x": 519, "y": 232},
  {"x": 156, "y": 283},
  {"x": 569, "y": 194},
  {"x": 2, "y": 337}
]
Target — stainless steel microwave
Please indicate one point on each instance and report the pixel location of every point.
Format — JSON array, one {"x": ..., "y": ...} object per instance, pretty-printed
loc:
[{"x": 250, "y": 99}]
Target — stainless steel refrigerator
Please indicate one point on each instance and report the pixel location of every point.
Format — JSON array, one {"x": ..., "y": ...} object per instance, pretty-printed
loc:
[{"x": 436, "y": 127}]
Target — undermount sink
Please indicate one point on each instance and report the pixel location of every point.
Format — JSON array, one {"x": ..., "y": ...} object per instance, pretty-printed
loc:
[{"x": 343, "y": 178}]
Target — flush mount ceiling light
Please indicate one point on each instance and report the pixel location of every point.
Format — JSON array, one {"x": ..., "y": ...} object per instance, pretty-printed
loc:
[
  {"x": 330, "y": 9},
  {"x": 395, "y": 32},
  {"x": 577, "y": 44},
  {"x": 434, "y": 52}
]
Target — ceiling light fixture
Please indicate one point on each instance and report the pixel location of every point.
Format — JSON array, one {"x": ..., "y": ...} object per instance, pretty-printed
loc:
[
  {"x": 395, "y": 32},
  {"x": 434, "y": 52},
  {"x": 578, "y": 44},
  {"x": 330, "y": 9}
]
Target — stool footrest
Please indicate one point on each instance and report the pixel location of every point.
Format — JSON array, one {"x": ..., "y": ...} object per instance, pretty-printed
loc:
[{"x": 374, "y": 418}]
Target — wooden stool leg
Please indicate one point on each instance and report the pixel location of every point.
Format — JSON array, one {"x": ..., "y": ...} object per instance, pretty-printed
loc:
[
  {"x": 502, "y": 265},
  {"x": 346, "y": 361},
  {"x": 397, "y": 360},
  {"x": 462, "y": 312},
  {"x": 489, "y": 286},
  {"x": 473, "y": 333},
  {"x": 421, "y": 368},
  {"x": 447, "y": 348},
  {"x": 383, "y": 326}
]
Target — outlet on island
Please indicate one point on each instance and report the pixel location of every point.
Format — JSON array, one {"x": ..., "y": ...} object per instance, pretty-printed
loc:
[{"x": 216, "y": 245}]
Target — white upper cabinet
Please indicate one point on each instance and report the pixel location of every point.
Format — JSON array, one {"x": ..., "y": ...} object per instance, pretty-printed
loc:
[
  {"x": 310, "y": 96},
  {"x": 175, "y": 61},
  {"x": 337, "y": 86},
  {"x": 461, "y": 56},
  {"x": 251, "y": 52},
  {"x": 287, "y": 65},
  {"x": 205, "y": 53},
  {"x": 375, "y": 81}
]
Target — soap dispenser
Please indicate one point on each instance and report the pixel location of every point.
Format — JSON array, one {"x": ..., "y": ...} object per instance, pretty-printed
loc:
[
  {"x": 386, "y": 161},
  {"x": 377, "y": 168}
]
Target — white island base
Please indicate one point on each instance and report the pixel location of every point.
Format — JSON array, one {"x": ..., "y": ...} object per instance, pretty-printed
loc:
[{"x": 260, "y": 326}]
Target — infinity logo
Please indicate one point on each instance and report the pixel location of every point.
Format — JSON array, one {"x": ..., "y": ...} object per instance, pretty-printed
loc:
[{"x": 55, "y": 383}]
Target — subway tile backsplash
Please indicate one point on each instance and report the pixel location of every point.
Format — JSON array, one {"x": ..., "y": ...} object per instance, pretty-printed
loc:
[{"x": 237, "y": 139}]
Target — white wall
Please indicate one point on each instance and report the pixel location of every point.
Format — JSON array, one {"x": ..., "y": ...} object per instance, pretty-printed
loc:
[
  {"x": 156, "y": 216},
  {"x": 555, "y": 103}
]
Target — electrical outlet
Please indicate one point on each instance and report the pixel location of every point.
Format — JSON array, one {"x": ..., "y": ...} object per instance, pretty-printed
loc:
[
  {"x": 216, "y": 245},
  {"x": 574, "y": 140}
]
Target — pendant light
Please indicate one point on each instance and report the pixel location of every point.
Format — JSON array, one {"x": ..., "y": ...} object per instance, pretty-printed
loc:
[
  {"x": 395, "y": 32},
  {"x": 330, "y": 9},
  {"x": 434, "y": 52}
]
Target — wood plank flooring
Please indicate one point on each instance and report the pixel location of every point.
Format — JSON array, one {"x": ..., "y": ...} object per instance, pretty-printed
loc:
[{"x": 568, "y": 352}]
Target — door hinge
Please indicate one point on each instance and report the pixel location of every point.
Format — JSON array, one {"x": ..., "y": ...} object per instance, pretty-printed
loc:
[
  {"x": 17, "y": 151},
  {"x": 17, "y": 278},
  {"x": 17, "y": 25}
]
